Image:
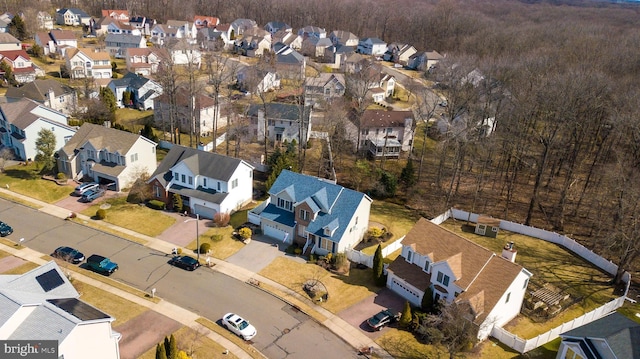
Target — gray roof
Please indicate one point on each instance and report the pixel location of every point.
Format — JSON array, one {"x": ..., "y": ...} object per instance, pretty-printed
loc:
[
  {"x": 101, "y": 137},
  {"x": 7, "y": 38},
  {"x": 37, "y": 90},
  {"x": 19, "y": 113},
  {"x": 335, "y": 205},
  {"x": 130, "y": 80},
  {"x": 373, "y": 40},
  {"x": 621, "y": 334},
  {"x": 76, "y": 11},
  {"x": 123, "y": 39},
  {"x": 276, "y": 110}
]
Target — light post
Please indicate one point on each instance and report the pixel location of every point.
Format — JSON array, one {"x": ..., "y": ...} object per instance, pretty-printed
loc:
[{"x": 197, "y": 236}]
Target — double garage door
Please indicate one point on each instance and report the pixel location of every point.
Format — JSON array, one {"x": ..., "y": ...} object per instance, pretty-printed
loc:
[
  {"x": 404, "y": 291},
  {"x": 204, "y": 212},
  {"x": 274, "y": 232}
]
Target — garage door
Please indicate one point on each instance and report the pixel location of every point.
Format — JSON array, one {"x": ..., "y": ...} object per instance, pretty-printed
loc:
[
  {"x": 204, "y": 212},
  {"x": 404, "y": 291},
  {"x": 274, "y": 232}
]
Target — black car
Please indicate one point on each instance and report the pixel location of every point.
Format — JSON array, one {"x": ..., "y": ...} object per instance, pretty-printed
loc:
[
  {"x": 68, "y": 254},
  {"x": 185, "y": 262},
  {"x": 5, "y": 229},
  {"x": 385, "y": 317}
]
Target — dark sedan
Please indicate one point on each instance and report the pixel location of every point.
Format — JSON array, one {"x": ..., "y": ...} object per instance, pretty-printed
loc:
[
  {"x": 5, "y": 229},
  {"x": 68, "y": 254},
  {"x": 185, "y": 262},
  {"x": 383, "y": 318}
]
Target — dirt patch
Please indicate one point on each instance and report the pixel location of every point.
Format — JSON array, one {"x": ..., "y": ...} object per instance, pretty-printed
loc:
[{"x": 143, "y": 333}]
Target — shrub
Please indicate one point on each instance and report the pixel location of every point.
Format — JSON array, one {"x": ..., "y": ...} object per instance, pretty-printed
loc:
[
  {"x": 245, "y": 232},
  {"x": 155, "y": 204},
  {"x": 329, "y": 257},
  {"x": 101, "y": 214},
  {"x": 179, "y": 250},
  {"x": 376, "y": 232},
  {"x": 205, "y": 247},
  {"x": 297, "y": 251},
  {"x": 177, "y": 202},
  {"x": 406, "y": 318},
  {"x": 216, "y": 237},
  {"x": 61, "y": 176},
  {"x": 221, "y": 219},
  {"x": 312, "y": 258},
  {"x": 341, "y": 260}
]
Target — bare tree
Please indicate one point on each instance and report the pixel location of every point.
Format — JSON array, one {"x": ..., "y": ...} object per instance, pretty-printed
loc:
[
  {"x": 221, "y": 70},
  {"x": 358, "y": 86}
]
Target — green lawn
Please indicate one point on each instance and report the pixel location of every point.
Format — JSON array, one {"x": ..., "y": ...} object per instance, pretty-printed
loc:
[
  {"x": 135, "y": 217},
  {"x": 223, "y": 245},
  {"x": 396, "y": 219},
  {"x": 27, "y": 180}
]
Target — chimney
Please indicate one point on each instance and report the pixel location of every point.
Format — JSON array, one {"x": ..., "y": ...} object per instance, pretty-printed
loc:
[{"x": 509, "y": 252}]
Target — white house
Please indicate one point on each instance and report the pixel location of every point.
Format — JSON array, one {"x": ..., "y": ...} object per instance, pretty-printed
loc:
[
  {"x": 456, "y": 269},
  {"x": 117, "y": 44},
  {"x": 62, "y": 40},
  {"x": 8, "y": 42},
  {"x": 45, "y": 21},
  {"x": 50, "y": 93},
  {"x": 315, "y": 213},
  {"x": 143, "y": 91},
  {"x": 372, "y": 46},
  {"x": 283, "y": 122},
  {"x": 145, "y": 61},
  {"x": 208, "y": 183},
  {"x": 43, "y": 304},
  {"x": 24, "y": 70},
  {"x": 107, "y": 156},
  {"x": 204, "y": 112},
  {"x": 386, "y": 133},
  {"x": 20, "y": 122},
  {"x": 72, "y": 17},
  {"x": 263, "y": 80},
  {"x": 85, "y": 62}
]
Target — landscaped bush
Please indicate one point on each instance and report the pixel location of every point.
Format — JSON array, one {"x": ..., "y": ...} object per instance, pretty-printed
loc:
[
  {"x": 217, "y": 237},
  {"x": 205, "y": 247},
  {"x": 177, "y": 202},
  {"x": 375, "y": 232},
  {"x": 245, "y": 232},
  {"x": 155, "y": 204},
  {"x": 61, "y": 176},
  {"x": 297, "y": 251},
  {"x": 221, "y": 219},
  {"x": 101, "y": 214}
]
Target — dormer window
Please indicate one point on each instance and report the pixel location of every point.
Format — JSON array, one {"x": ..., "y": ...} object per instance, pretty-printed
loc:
[
  {"x": 282, "y": 203},
  {"x": 443, "y": 279},
  {"x": 409, "y": 256},
  {"x": 426, "y": 266}
]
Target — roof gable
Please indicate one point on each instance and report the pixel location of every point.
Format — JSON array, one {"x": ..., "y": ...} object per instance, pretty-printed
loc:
[{"x": 101, "y": 138}]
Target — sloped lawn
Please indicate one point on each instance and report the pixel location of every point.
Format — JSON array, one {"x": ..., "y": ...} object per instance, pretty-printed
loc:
[{"x": 27, "y": 181}]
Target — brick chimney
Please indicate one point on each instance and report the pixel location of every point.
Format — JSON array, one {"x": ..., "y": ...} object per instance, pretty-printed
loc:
[{"x": 509, "y": 252}]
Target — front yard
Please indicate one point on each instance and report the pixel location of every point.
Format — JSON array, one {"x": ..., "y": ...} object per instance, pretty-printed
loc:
[{"x": 23, "y": 178}]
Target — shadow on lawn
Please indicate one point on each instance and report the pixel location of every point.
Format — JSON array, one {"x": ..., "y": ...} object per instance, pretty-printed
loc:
[{"x": 22, "y": 172}]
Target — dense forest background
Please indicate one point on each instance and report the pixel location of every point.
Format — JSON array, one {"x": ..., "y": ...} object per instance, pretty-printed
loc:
[{"x": 560, "y": 77}]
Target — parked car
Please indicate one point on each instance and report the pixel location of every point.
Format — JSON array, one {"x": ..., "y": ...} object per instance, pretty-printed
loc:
[
  {"x": 81, "y": 189},
  {"x": 383, "y": 318},
  {"x": 239, "y": 326},
  {"x": 185, "y": 262},
  {"x": 5, "y": 229},
  {"x": 68, "y": 254},
  {"x": 102, "y": 265},
  {"x": 91, "y": 195}
]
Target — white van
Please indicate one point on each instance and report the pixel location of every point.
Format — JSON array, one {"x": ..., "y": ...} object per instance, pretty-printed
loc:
[{"x": 81, "y": 189}]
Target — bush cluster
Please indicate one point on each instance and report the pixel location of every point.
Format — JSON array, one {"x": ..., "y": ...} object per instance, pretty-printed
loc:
[
  {"x": 205, "y": 247},
  {"x": 155, "y": 204},
  {"x": 101, "y": 214}
]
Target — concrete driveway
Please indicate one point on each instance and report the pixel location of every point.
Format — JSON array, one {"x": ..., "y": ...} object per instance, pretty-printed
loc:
[
  {"x": 260, "y": 252},
  {"x": 73, "y": 204},
  {"x": 357, "y": 314},
  {"x": 143, "y": 332},
  {"x": 183, "y": 231}
]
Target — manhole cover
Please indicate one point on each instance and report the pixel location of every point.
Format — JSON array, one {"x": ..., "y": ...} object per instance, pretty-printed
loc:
[
  {"x": 286, "y": 331},
  {"x": 105, "y": 206}
]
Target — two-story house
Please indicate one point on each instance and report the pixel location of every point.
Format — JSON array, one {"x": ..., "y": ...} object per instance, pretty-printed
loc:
[
  {"x": 239, "y": 26},
  {"x": 288, "y": 62},
  {"x": 183, "y": 52},
  {"x": 120, "y": 15},
  {"x": 83, "y": 63},
  {"x": 201, "y": 22},
  {"x": 72, "y": 17},
  {"x": 208, "y": 183},
  {"x": 323, "y": 88},
  {"x": 399, "y": 53},
  {"x": 44, "y": 20},
  {"x": 274, "y": 26},
  {"x": 145, "y": 61},
  {"x": 142, "y": 91},
  {"x": 107, "y": 155},
  {"x": 314, "y": 46},
  {"x": 252, "y": 46},
  {"x": 173, "y": 29},
  {"x": 8, "y": 42},
  {"x": 50, "y": 93},
  {"x": 317, "y": 214},
  {"x": 117, "y": 44},
  {"x": 62, "y": 40},
  {"x": 372, "y": 46},
  {"x": 284, "y": 122},
  {"x": 456, "y": 269},
  {"x": 142, "y": 23},
  {"x": 386, "y": 133},
  {"x": 424, "y": 60},
  {"x": 344, "y": 38},
  {"x": 288, "y": 38},
  {"x": 22, "y": 120},
  {"x": 251, "y": 78},
  {"x": 312, "y": 31},
  {"x": 24, "y": 70},
  {"x": 203, "y": 112},
  {"x": 42, "y": 303}
]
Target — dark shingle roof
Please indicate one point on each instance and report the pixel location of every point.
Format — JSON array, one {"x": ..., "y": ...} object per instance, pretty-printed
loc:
[
  {"x": 279, "y": 111},
  {"x": 130, "y": 80},
  {"x": 621, "y": 334},
  {"x": 38, "y": 89},
  {"x": 101, "y": 137}
]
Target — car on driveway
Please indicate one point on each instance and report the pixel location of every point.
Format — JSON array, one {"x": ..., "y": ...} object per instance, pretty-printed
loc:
[
  {"x": 239, "y": 326},
  {"x": 5, "y": 229},
  {"x": 383, "y": 318},
  {"x": 83, "y": 188},
  {"x": 91, "y": 195},
  {"x": 185, "y": 262},
  {"x": 102, "y": 265},
  {"x": 68, "y": 254}
]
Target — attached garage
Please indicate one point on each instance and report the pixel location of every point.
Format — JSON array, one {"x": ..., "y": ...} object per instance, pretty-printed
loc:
[
  {"x": 273, "y": 232},
  {"x": 404, "y": 290},
  {"x": 204, "y": 212}
]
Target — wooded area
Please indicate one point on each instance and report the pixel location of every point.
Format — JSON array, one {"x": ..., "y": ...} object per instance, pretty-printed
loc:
[{"x": 559, "y": 78}]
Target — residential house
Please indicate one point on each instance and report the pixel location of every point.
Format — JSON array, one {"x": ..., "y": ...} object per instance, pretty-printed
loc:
[
  {"x": 323, "y": 88},
  {"x": 45, "y": 21},
  {"x": 288, "y": 38},
  {"x": 20, "y": 122},
  {"x": 239, "y": 26},
  {"x": 252, "y": 46},
  {"x": 186, "y": 30},
  {"x": 312, "y": 31},
  {"x": 173, "y": 29},
  {"x": 385, "y": 86},
  {"x": 4, "y": 23},
  {"x": 62, "y": 40},
  {"x": 457, "y": 269},
  {"x": 354, "y": 62},
  {"x": 120, "y": 15},
  {"x": 344, "y": 38},
  {"x": 143, "y": 24},
  {"x": 283, "y": 122},
  {"x": 336, "y": 55},
  {"x": 145, "y": 61},
  {"x": 109, "y": 25},
  {"x": 386, "y": 133},
  {"x": 424, "y": 60},
  {"x": 43, "y": 40},
  {"x": 50, "y": 93},
  {"x": 251, "y": 78},
  {"x": 141, "y": 90},
  {"x": 274, "y": 26},
  {"x": 315, "y": 46},
  {"x": 208, "y": 183},
  {"x": 215, "y": 39},
  {"x": 317, "y": 214},
  {"x": 8, "y": 42},
  {"x": 183, "y": 53},
  {"x": 84, "y": 62},
  {"x": 288, "y": 62},
  {"x": 203, "y": 109},
  {"x": 372, "y": 46},
  {"x": 24, "y": 70},
  {"x": 399, "y": 53},
  {"x": 612, "y": 336},
  {"x": 107, "y": 155},
  {"x": 205, "y": 21},
  {"x": 117, "y": 44},
  {"x": 42, "y": 304},
  {"x": 72, "y": 17}
]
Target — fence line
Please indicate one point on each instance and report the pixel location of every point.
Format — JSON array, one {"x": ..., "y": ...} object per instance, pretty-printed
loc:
[{"x": 359, "y": 257}]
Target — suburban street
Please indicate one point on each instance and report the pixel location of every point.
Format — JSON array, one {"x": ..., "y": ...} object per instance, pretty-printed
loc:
[{"x": 282, "y": 330}]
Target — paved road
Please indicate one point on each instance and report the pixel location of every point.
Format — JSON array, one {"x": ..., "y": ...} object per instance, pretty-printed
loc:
[{"x": 282, "y": 331}]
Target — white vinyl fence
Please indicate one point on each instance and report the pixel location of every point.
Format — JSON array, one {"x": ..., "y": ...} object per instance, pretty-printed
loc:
[{"x": 359, "y": 257}]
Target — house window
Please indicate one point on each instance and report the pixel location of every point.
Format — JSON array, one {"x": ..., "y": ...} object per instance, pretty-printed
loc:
[
  {"x": 234, "y": 183},
  {"x": 176, "y": 176},
  {"x": 494, "y": 229},
  {"x": 134, "y": 157},
  {"x": 204, "y": 182},
  {"x": 301, "y": 230},
  {"x": 157, "y": 192},
  {"x": 326, "y": 244},
  {"x": 409, "y": 256},
  {"x": 218, "y": 186},
  {"x": 426, "y": 266},
  {"x": 184, "y": 179},
  {"x": 377, "y": 131},
  {"x": 526, "y": 282},
  {"x": 356, "y": 220},
  {"x": 190, "y": 180},
  {"x": 304, "y": 215},
  {"x": 508, "y": 297},
  {"x": 282, "y": 203},
  {"x": 389, "y": 129},
  {"x": 443, "y": 279}
]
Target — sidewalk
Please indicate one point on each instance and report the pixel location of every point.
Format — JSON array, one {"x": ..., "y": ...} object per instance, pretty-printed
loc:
[{"x": 337, "y": 325}]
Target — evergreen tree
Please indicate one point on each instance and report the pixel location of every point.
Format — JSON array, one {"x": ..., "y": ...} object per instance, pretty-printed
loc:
[
  {"x": 406, "y": 318},
  {"x": 427, "y": 304},
  {"x": 378, "y": 267},
  {"x": 147, "y": 131},
  {"x": 160, "y": 352},
  {"x": 172, "y": 349},
  {"x": 17, "y": 28},
  {"x": 167, "y": 346},
  {"x": 177, "y": 202},
  {"x": 389, "y": 182},
  {"x": 126, "y": 98},
  {"x": 408, "y": 175},
  {"x": 108, "y": 99},
  {"x": 279, "y": 161},
  {"x": 8, "y": 73},
  {"x": 45, "y": 148}
]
